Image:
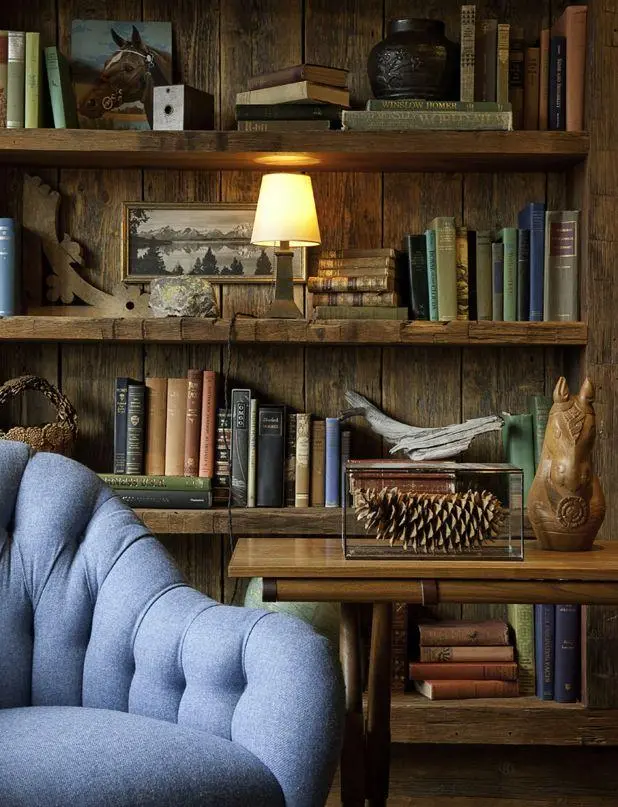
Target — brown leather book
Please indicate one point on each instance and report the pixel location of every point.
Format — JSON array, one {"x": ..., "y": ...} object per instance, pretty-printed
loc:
[
  {"x": 544, "y": 81},
  {"x": 462, "y": 633},
  {"x": 303, "y": 446},
  {"x": 156, "y": 408},
  {"x": 175, "y": 426},
  {"x": 332, "y": 76},
  {"x": 532, "y": 70},
  {"x": 318, "y": 462},
  {"x": 452, "y": 690},
  {"x": 572, "y": 25},
  {"x": 481, "y": 654},
  {"x": 195, "y": 380},
  {"x": 463, "y": 671},
  {"x": 209, "y": 415}
]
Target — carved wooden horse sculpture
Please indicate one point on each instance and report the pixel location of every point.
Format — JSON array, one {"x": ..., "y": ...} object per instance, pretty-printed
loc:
[
  {"x": 128, "y": 76},
  {"x": 566, "y": 505}
]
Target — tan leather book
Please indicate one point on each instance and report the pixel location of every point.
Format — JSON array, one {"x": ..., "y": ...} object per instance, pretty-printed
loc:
[
  {"x": 455, "y": 690},
  {"x": 318, "y": 462},
  {"x": 195, "y": 380},
  {"x": 208, "y": 428},
  {"x": 544, "y": 81},
  {"x": 156, "y": 408},
  {"x": 572, "y": 25},
  {"x": 175, "y": 426},
  {"x": 532, "y": 68},
  {"x": 303, "y": 437},
  {"x": 454, "y": 654},
  {"x": 502, "y": 64}
]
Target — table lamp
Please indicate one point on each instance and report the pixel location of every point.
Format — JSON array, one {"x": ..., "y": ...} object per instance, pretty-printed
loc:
[{"x": 285, "y": 218}]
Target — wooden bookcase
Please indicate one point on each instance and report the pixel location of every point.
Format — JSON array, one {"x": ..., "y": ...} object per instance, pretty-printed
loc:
[{"x": 370, "y": 189}]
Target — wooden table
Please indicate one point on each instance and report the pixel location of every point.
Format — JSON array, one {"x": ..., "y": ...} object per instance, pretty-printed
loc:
[{"x": 310, "y": 569}]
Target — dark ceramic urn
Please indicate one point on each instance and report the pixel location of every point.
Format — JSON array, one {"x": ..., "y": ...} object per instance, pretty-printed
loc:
[{"x": 416, "y": 60}]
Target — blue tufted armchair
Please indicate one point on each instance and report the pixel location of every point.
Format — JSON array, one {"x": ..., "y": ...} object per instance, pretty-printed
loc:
[{"x": 120, "y": 686}]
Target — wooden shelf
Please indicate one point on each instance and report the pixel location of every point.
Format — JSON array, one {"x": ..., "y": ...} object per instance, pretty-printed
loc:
[
  {"x": 318, "y": 151},
  {"x": 252, "y": 520},
  {"x": 500, "y": 721},
  {"x": 60, "y": 328}
]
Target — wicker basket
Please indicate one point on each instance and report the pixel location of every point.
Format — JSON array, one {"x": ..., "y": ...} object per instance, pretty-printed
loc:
[{"x": 58, "y": 437}]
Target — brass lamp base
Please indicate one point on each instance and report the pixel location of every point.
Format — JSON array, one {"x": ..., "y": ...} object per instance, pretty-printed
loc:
[{"x": 283, "y": 306}]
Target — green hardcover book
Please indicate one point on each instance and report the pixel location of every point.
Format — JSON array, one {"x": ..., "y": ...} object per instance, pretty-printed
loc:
[
  {"x": 61, "y": 94},
  {"x": 446, "y": 267},
  {"x": 380, "y": 105},
  {"x": 497, "y": 282},
  {"x": 32, "y": 99},
  {"x": 432, "y": 274},
  {"x": 360, "y": 312},
  {"x": 483, "y": 275},
  {"x": 143, "y": 482},
  {"x": 561, "y": 296},
  {"x": 521, "y": 620},
  {"x": 4, "y": 66},
  {"x": 519, "y": 445},
  {"x": 15, "y": 86},
  {"x": 463, "y": 283},
  {"x": 508, "y": 237},
  {"x": 539, "y": 406}
]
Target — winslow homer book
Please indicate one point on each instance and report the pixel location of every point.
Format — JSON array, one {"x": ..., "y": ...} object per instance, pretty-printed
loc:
[{"x": 115, "y": 66}]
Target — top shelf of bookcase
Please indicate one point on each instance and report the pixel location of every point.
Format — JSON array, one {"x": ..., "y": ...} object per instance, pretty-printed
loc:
[{"x": 316, "y": 151}]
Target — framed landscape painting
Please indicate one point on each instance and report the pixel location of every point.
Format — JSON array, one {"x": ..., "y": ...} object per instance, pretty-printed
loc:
[{"x": 213, "y": 240}]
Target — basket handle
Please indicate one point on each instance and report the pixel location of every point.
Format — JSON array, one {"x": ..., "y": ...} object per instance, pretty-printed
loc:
[{"x": 66, "y": 411}]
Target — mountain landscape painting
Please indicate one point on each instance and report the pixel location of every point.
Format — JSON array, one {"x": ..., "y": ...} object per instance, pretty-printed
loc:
[{"x": 197, "y": 239}]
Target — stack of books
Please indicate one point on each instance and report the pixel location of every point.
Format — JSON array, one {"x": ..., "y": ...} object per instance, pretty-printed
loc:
[
  {"x": 356, "y": 284},
  {"x": 523, "y": 434},
  {"x": 465, "y": 660},
  {"x": 304, "y": 97}
]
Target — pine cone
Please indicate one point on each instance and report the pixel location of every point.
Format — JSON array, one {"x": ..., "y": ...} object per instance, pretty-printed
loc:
[{"x": 431, "y": 523}]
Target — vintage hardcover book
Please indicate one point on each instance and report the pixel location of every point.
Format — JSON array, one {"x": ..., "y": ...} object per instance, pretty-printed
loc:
[
  {"x": 357, "y": 252},
  {"x": 343, "y": 284},
  {"x": 472, "y": 291},
  {"x": 523, "y": 274},
  {"x": 464, "y": 671},
  {"x": 195, "y": 383},
  {"x": 156, "y": 416},
  {"x": 416, "y": 248},
  {"x": 331, "y": 76},
  {"x": 155, "y": 482},
  {"x": 4, "y": 66},
  {"x": 561, "y": 275},
  {"x": 486, "y": 61},
  {"x": 166, "y": 499},
  {"x": 389, "y": 312},
  {"x": 572, "y": 25},
  {"x": 313, "y": 125},
  {"x": 497, "y": 281},
  {"x": 176, "y": 423},
  {"x": 241, "y": 402},
  {"x": 120, "y": 425},
  {"x": 532, "y": 71},
  {"x": 404, "y": 120},
  {"x": 16, "y": 80},
  {"x": 532, "y": 218},
  {"x": 262, "y": 112},
  {"x": 406, "y": 482},
  {"x": 360, "y": 298},
  {"x": 252, "y": 475},
  {"x": 458, "y": 654},
  {"x": 352, "y": 270},
  {"x": 294, "y": 93},
  {"x": 517, "y": 48},
  {"x": 519, "y": 445},
  {"x": 521, "y": 620},
  {"x": 303, "y": 453},
  {"x": 456, "y": 690},
  {"x": 557, "y": 83},
  {"x": 483, "y": 275},
  {"x": 32, "y": 81},
  {"x": 64, "y": 110},
  {"x": 399, "y": 647},
  {"x": 332, "y": 482},
  {"x": 432, "y": 275},
  {"x": 290, "y": 460},
  {"x": 461, "y": 258},
  {"x": 345, "y": 451},
  {"x": 384, "y": 263},
  {"x": 136, "y": 417},
  {"x": 502, "y": 63},
  {"x": 539, "y": 406},
  {"x": 544, "y": 80},
  {"x": 223, "y": 449},
  {"x": 390, "y": 104},
  {"x": 208, "y": 428},
  {"x": 446, "y": 267},
  {"x": 463, "y": 633},
  {"x": 567, "y": 653},
  {"x": 508, "y": 237},
  {"x": 318, "y": 462},
  {"x": 270, "y": 456},
  {"x": 466, "y": 53},
  {"x": 544, "y": 630}
]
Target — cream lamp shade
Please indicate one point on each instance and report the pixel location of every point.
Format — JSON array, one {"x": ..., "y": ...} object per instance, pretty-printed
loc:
[{"x": 286, "y": 212}]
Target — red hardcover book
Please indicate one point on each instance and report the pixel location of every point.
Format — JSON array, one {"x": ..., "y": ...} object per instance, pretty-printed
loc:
[
  {"x": 455, "y": 690},
  {"x": 463, "y": 671},
  {"x": 192, "y": 428},
  {"x": 478, "y": 654},
  {"x": 465, "y": 634},
  {"x": 208, "y": 434}
]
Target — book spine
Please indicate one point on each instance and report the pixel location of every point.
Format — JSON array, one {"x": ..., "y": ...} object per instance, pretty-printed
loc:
[
  {"x": 502, "y": 64},
  {"x": 357, "y": 298},
  {"x": 382, "y": 265},
  {"x": 464, "y": 671},
  {"x": 166, "y": 499},
  {"x": 402, "y": 120},
  {"x": 523, "y": 274},
  {"x": 539, "y": 407},
  {"x": 16, "y": 87},
  {"x": 532, "y": 67},
  {"x": 489, "y": 32},
  {"x": 270, "y": 456},
  {"x": 156, "y": 408},
  {"x": 155, "y": 482},
  {"x": 318, "y": 462},
  {"x": 497, "y": 281},
  {"x": 136, "y": 415},
  {"x": 120, "y": 425},
  {"x": 287, "y": 112},
  {"x": 557, "y": 83},
  {"x": 544, "y": 80},
  {"x": 333, "y": 459},
  {"x": 465, "y": 634},
  {"x": 360, "y": 312},
  {"x": 567, "y": 653},
  {"x": 508, "y": 236},
  {"x": 384, "y": 253},
  {"x": 518, "y": 445},
  {"x": 54, "y": 81},
  {"x": 544, "y": 623},
  {"x": 32, "y": 80},
  {"x": 252, "y": 475},
  {"x": 446, "y": 266},
  {"x": 303, "y": 450},
  {"x": 399, "y": 647},
  {"x": 416, "y": 249},
  {"x": 223, "y": 449},
  {"x": 241, "y": 402},
  {"x": 176, "y": 421},
  {"x": 406, "y": 483},
  {"x": 521, "y": 619},
  {"x": 9, "y": 294},
  {"x": 418, "y": 105},
  {"x": 455, "y": 654},
  {"x": 533, "y": 218},
  {"x": 317, "y": 125},
  {"x": 432, "y": 275},
  {"x": 208, "y": 424},
  {"x": 290, "y": 460},
  {"x": 467, "y": 53},
  {"x": 345, "y": 449},
  {"x": 561, "y": 297},
  {"x": 575, "y": 26},
  {"x": 516, "y": 76},
  {"x": 472, "y": 290},
  {"x": 4, "y": 66},
  {"x": 195, "y": 382},
  {"x": 344, "y": 284},
  {"x": 461, "y": 262},
  {"x": 461, "y": 690},
  {"x": 483, "y": 275}
]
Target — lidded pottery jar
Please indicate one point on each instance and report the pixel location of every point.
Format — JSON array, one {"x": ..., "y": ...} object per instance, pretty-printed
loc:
[{"x": 416, "y": 60}]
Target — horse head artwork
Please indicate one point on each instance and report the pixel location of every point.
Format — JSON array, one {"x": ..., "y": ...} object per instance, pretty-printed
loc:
[
  {"x": 566, "y": 505},
  {"x": 127, "y": 77}
]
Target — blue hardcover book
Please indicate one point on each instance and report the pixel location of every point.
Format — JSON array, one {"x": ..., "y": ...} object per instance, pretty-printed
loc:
[
  {"x": 532, "y": 218},
  {"x": 8, "y": 269},
  {"x": 544, "y": 619},
  {"x": 432, "y": 274},
  {"x": 121, "y": 400},
  {"x": 332, "y": 480},
  {"x": 497, "y": 281},
  {"x": 567, "y": 653},
  {"x": 557, "y": 83},
  {"x": 523, "y": 275},
  {"x": 418, "y": 303}
]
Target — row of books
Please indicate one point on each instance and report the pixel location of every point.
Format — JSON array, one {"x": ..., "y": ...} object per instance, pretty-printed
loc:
[{"x": 523, "y": 435}]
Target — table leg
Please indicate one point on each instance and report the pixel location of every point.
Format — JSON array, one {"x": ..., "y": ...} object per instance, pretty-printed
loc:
[
  {"x": 379, "y": 705},
  {"x": 353, "y": 752}
]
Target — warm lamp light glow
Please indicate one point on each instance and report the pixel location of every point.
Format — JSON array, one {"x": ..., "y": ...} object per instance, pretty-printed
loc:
[{"x": 286, "y": 212}]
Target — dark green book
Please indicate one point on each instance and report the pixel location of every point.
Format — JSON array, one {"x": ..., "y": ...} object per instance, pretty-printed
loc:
[
  {"x": 519, "y": 445},
  {"x": 288, "y": 112},
  {"x": 436, "y": 106},
  {"x": 417, "y": 276},
  {"x": 360, "y": 312},
  {"x": 508, "y": 236},
  {"x": 539, "y": 406},
  {"x": 155, "y": 482}
]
